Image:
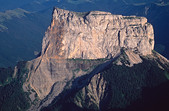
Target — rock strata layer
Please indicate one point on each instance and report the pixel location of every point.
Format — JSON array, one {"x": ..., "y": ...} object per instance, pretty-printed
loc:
[{"x": 96, "y": 35}]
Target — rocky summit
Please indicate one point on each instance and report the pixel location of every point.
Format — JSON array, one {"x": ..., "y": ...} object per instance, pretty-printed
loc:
[
  {"x": 91, "y": 35},
  {"x": 90, "y": 61},
  {"x": 96, "y": 34}
]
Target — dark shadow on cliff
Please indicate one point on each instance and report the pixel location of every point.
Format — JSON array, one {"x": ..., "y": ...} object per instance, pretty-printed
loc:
[
  {"x": 77, "y": 85},
  {"x": 81, "y": 81}
]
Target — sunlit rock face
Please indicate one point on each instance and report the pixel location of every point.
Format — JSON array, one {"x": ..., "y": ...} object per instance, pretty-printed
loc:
[
  {"x": 96, "y": 35},
  {"x": 90, "y": 35}
]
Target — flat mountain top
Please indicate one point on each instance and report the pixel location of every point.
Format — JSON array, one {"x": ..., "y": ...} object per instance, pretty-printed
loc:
[{"x": 96, "y": 34}]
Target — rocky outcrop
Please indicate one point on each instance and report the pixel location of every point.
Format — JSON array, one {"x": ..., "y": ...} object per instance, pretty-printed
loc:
[
  {"x": 95, "y": 90},
  {"x": 129, "y": 56},
  {"x": 96, "y": 35}
]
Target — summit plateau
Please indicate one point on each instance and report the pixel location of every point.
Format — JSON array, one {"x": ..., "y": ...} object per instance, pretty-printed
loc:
[{"x": 96, "y": 34}]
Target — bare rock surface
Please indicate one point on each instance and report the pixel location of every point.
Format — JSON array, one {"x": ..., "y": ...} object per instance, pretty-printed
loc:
[
  {"x": 87, "y": 36},
  {"x": 94, "y": 90},
  {"x": 95, "y": 35}
]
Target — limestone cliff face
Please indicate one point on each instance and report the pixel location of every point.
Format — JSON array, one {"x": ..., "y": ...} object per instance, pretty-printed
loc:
[
  {"x": 96, "y": 35},
  {"x": 91, "y": 35}
]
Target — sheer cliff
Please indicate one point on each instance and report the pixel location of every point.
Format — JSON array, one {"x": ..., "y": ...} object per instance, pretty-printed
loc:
[
  {"x": 96, "y": 35},
  {"x": 78, "y": 46},
  {"x": 91, "y": 35},
  {"x": 92, "y": 61}
]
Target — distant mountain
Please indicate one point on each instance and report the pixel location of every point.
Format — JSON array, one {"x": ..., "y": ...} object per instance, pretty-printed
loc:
[
  {"x": 21, "y": 31},
  {"x": 11, "y": 4}
]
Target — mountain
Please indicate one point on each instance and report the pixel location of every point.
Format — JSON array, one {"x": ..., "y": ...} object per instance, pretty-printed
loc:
[
  {"x": 23, "y": 23},
  {"x": 21, "y": 31},
  {"x": 90, "y": 61},
  {"x": 66, "y": 39}
]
